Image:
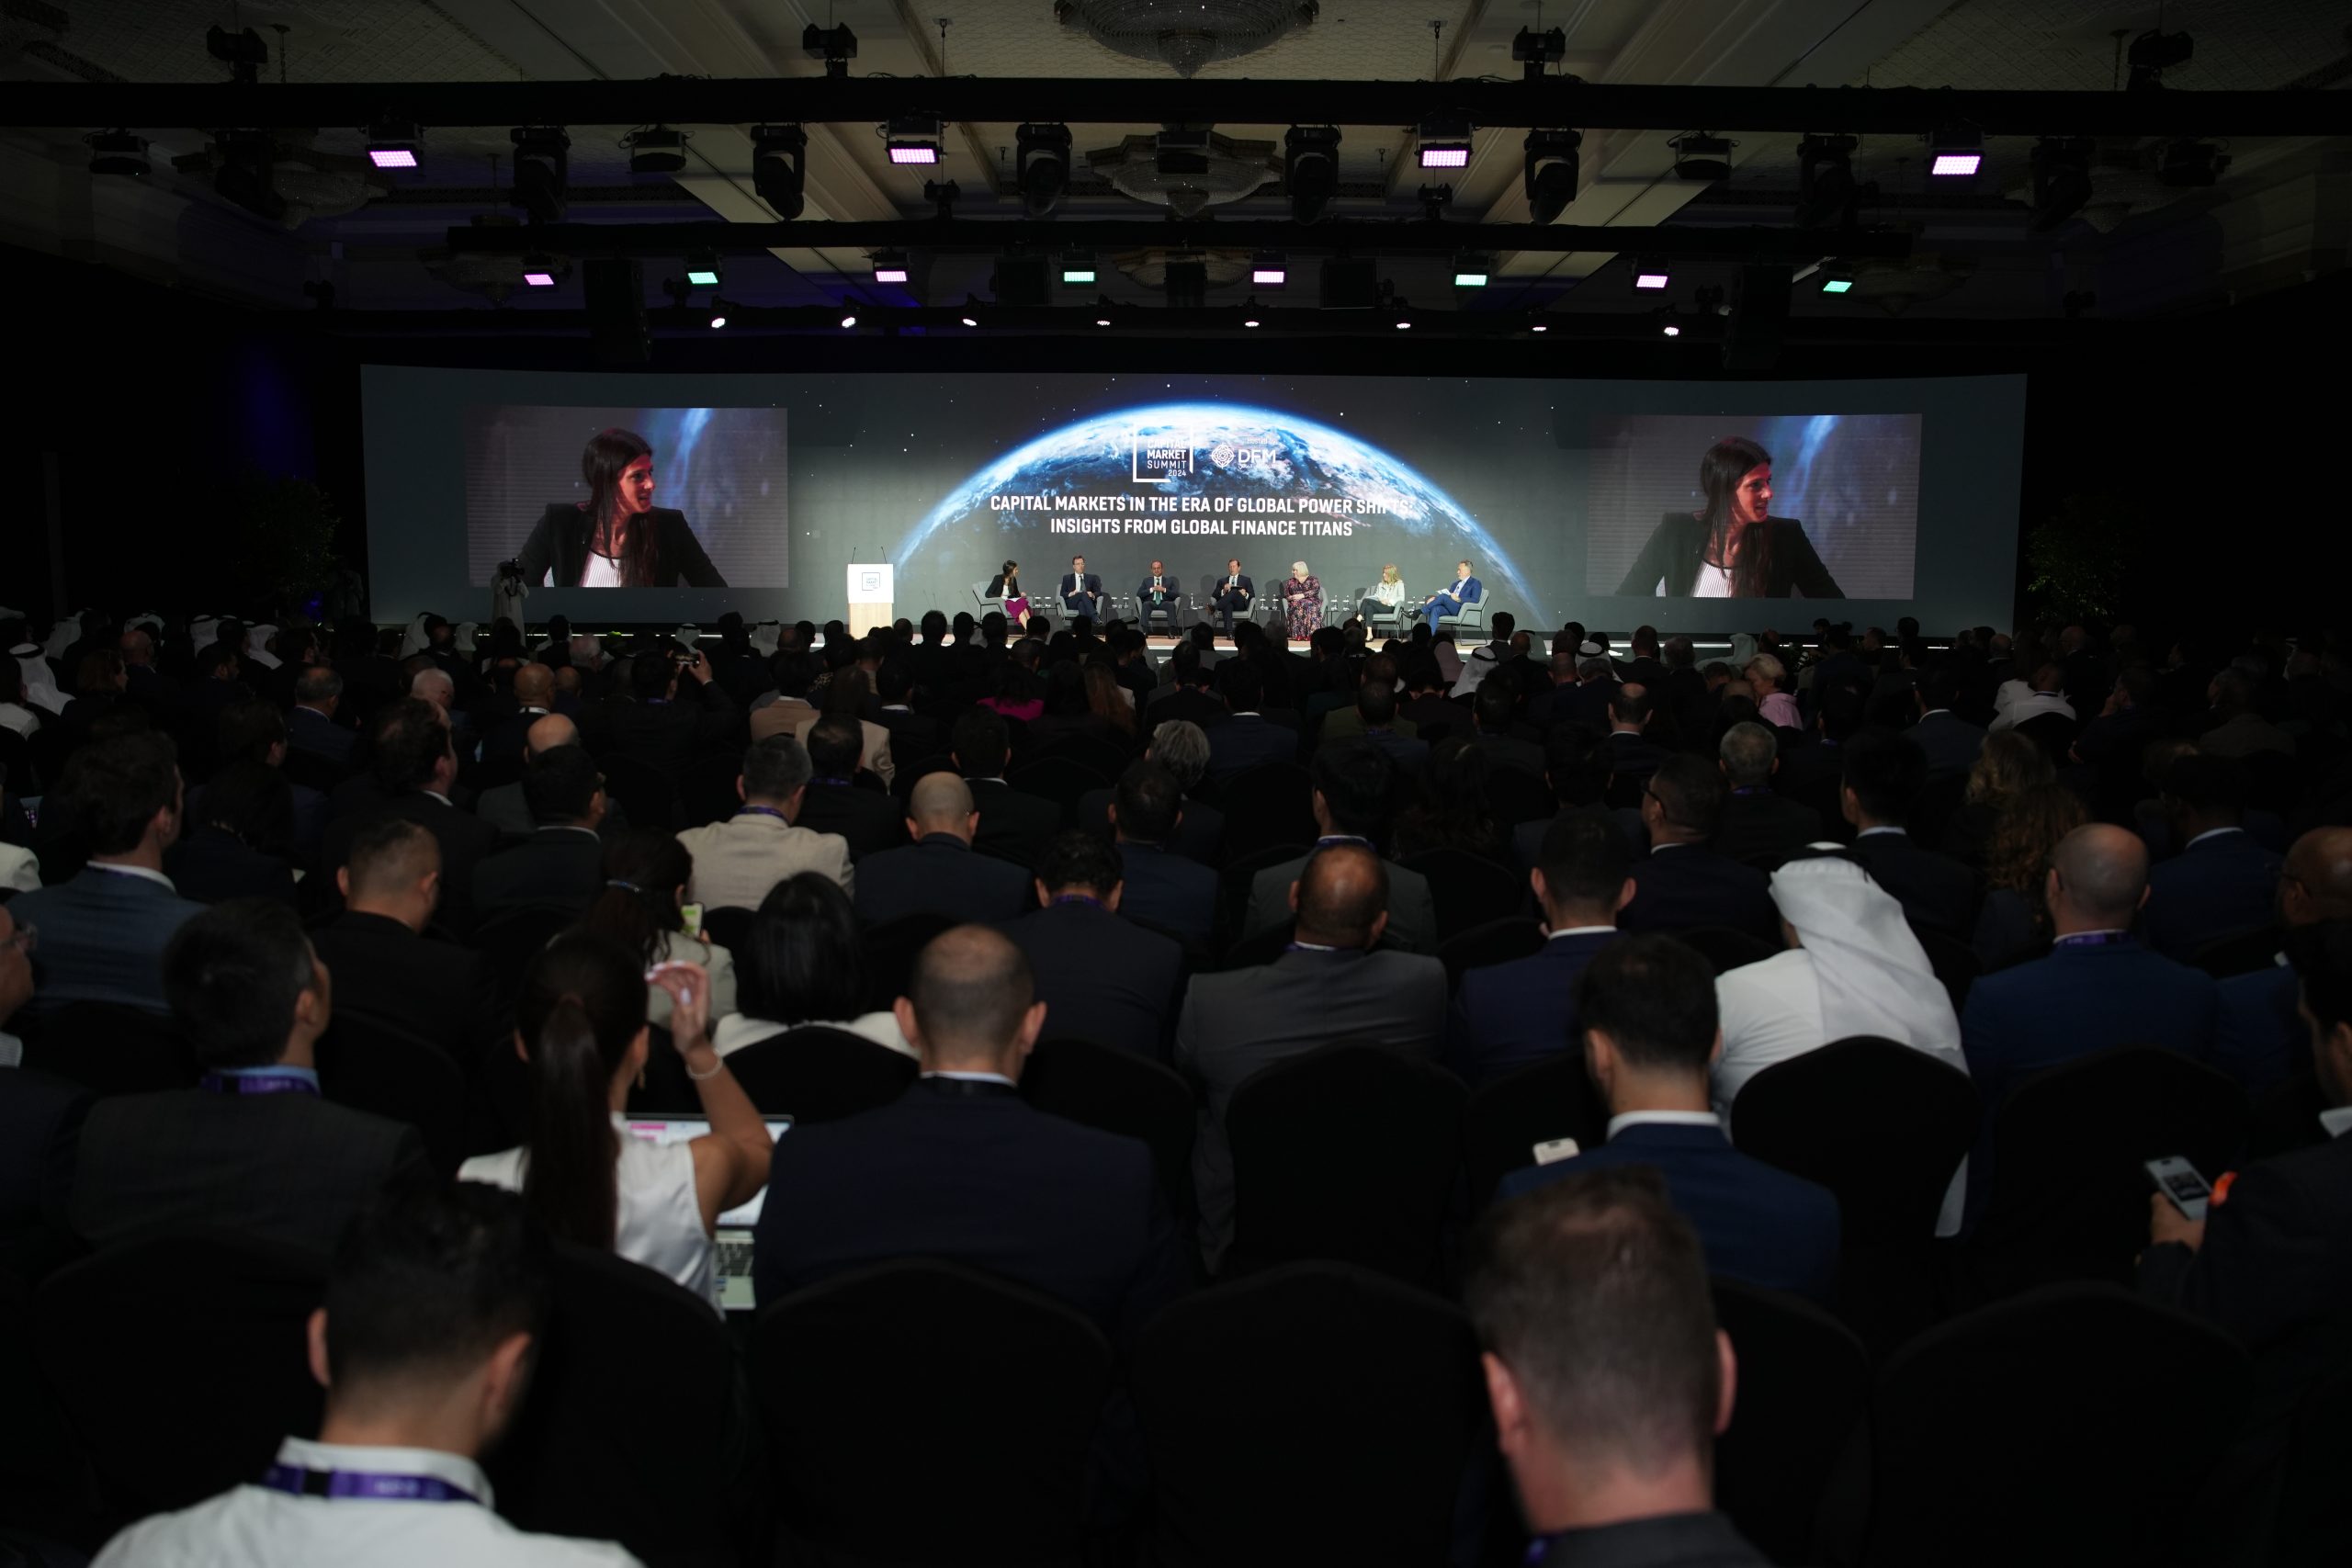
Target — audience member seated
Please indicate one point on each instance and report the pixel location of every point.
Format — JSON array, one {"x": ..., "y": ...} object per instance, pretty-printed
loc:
[
  {"x": 1883, "y": 776},
  {"x": 255, "y": 1150},
  {"x": 1607, "y": 1375},
  {"x": 2238, "y": 729},
  {"x": 1162, "y": 888},
  {"x": 641, "y": 907},
  {"x": 961, "y": 1168},
  {"x": 659, "y": 722},
  {"x": 1682, "y": 884},
  {"x": 867, "y": 821},
  {"x": 939, "y": 873},
  {"x": 506, "y": 808},
  {"x": 238, "y": 835},
  {"x": 1756, "y": 823},
  {"x": 800, "y": 967},
  {"x": 1647, "y": 1004},
  {"x": 1776, "y": 706},
  {"x": 561, "y": 865},
  {"x": 1329, "y": 986},
  {"x": 103, "y": 933},
  {"x": 2097, "y": 990},
  {"x": 2222, "y": 882},
  {"x": 434, "y": 1307},
  {"x": 848, "y": 694},
  {"x": 1949, "y": 741},
  {"x": 1014, "y": 825},
  {"x": 1631, "y": 752},
  {"x": 1248, "y": 737},
  {"x": 1453, "y": 811},
  {"x": 1183, "y": 748},
  {"x": 2258, "y": 1034},
  {"x": 1507, "y": 1016},
  {"x": 415, "y": 768},
  {"x": 736, "y": 862},
  {"x": 2013, "y": 923},
  {"x": 1353, "y": 790},
  {"x": 385, "y": 967},
  {"x": 1378, "y": 729},
  {"x": 1102, "y": 978},
  {"x": 580, "y": 1024},
  {"x": 2018, "y": 702},
  {"x": 310, "y": 726},
  {"x": 1192, "y": 696},
  {"x": 2007, "y": 766},
  {"x": 16, "y": 944}
]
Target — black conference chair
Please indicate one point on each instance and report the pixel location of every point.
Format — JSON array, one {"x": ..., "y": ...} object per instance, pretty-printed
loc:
[
  {"x": 110, "y": 1049},
  {"x": 816, "y": 1074},
  {"x": 626, "y": 1431},
  {"x": 1516, "y": 796},
  {"x": 1317, "y": 1413},
  {"x": 890, "y": 950},
  {"x": 1468, "y": 890},
  {"x": 1724, "y": 948},
  {"x": 181, "y": 1362},
  {"x": 1118, "y": 1092},
  {"x": 645, "y": 791},
  {"x": 1267, "y": 805},
  {"x": 2247, "y": 952},
  {"x": 728, "y": 926},
  {"x": 373, "y": 1065},
  {"x": 508, "y": 944},
  {"x": 1059, "y": 779},
  {"x": 1349, "y": 1152},
  {"x": 1234, "y": 881},
  {"x": 1800, "y": 1415},
  {"x": 706, "y": 791},
  {"x": 1823, "y": 1116},
  {"x": 2067, "y": 1426},
  {"x": 1087, "y": 751},
  {"x": 840, "y": 1397},
  {"x": 1496, "y": 941},
  {"x": 2069, "y": 1199},
  {"x": 1539, "y": 1103}
]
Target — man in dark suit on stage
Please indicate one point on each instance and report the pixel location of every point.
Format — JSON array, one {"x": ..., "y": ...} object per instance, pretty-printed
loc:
[
  {"x": 868, "y": 819},
  {"x": 1081, "y": 591},
  {"x": 415, "y": 768},
  {"x": 383, "y": 964},
  {"x": 1328, "y": 987},
  {"x": 2222, "y": 882},
  {"x": 1681, "y": 885},
  {"x": 1651, "y": 1035},
  {"x": 939, "y": 872},
  {"x": 1231, "y": 595},
  {"x": 1160, "y": 594},
  {"x": 561, "y": 865},
  {"x": 1014, "y": 825},
  {"x": 960, "y": 1168},
  {"x": 1756, "y": 822},
  {"x": 1162, "y": 887},
  {"x": 1507, "y": 1016},
  {"x": 1882, "y": 774},
  {"x": 1103, "y": 977},
  {"x": 255, "y": 1151}
]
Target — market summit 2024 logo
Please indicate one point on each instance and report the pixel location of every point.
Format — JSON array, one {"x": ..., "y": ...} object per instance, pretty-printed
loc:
[{"x": 1164, "y": 456}]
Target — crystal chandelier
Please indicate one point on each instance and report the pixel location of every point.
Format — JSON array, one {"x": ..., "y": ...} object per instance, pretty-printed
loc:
[{"x": 1186, "y": 34}]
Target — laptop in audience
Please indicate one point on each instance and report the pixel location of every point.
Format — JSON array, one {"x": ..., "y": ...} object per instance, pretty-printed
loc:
[{"x": 732, "y": 1236}]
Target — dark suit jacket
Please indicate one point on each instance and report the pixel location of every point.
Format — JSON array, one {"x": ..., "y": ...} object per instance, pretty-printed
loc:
[
  {"x": 435, "y": 990},
  {"x": 913, "y": 737},
  {"x": 213, "y": 865},
  {"x": 466, "y": 841},
  {"x": 969, "y": 1172},
  {"x": 1510, "y": 751},
  {"x": 41, "y": 1126},
  {"x": 1762, "y": 823},
  {"x": 504, "y": 741},
  {"x": 939, "y": 872},
  {"x": 1072, "y": 588},
  {"x": 1244, "y": 740},
  {"x": 1674, "y": 549},
  {"x": 1757, "y": 1223},
  {"x": 663, "y": 735},
  {"x": 559, "y": 541},
  {"x": 1663, "y": 1540},
  {"x": 307, "y": 729},
  {"x": 283, "y": 1168},
  {"x": 1506, "y": 1016},
  {"x": 1171, "y": 890},
  {"x": 1217, "y": 589},
  {"x": 1014, "y": 825},
  {"x": 1934, "y": 890},
  {"x": 1630, "y": 755},
  {"x": 1200, "y": 831},
  {"x": 1680, "y": 888},
  {"x": 102, "y": 937},
  {"x": 1188, "y": 703},
  {"x": 1950, "y": 742},
  {"x": 2259, "y": 1039},
  {"x": 555, "y": 868},
  {"x": 2216, "y": 888},
  {"x": 505, "y": 809},
  {"x": 1170, "y": 592},
  {"x": 1429, "y": 719},
  {"x": 869, "y": 820},
  {"x": 1102, "y": 977}
]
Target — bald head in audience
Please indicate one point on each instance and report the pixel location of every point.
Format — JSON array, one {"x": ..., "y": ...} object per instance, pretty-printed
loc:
[
  {"x": 534, "y": 685},
  {"x": 941, "y": 803},
  {"x": 2317, "y": 882},
  {"x": 546, "y": 734},
  {"x": 1341, "y": 897},
  {"x": 971, "y": 1004},
  {"x": 435, "y": 686},
  {"x": 394, "y": 871},
  {"x": 2098, "y": 879}
]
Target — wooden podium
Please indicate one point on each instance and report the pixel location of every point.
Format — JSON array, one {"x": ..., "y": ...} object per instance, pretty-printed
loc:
[{"x": 869, "y": 598}]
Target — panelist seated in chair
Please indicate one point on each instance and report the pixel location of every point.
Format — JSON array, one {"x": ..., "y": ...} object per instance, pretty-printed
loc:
[
  {"x": 1386, "y": 601},
  {"x": 1448, "y": 601},
  {"x": 1232, "y": 594},
  {"x": 1081, "y": 591},
  {"x": 1160, "y": 594}
]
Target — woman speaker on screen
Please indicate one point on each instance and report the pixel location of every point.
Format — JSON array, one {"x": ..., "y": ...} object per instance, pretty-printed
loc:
[
  {"x": 1734, "y": 548},
  {"x": 617, "y": 537}
]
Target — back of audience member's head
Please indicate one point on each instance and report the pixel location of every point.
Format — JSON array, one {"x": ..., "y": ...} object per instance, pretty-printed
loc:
[
  {"x": 835, "y": 743},
  {"x": 1840, "y": 710},
  {"x": 2029, "y": 828},
  {"x": 1376, "y": 703},
  {"x": 1079, "y": 862},
  {"x": 2322, "y": 954},
  {"x": 243, "y": 983},
  {"x": 980, "y": 743},
  {"x": 1148, "y": 800},
  {"x": 1342, "y": 896},
  {"x": 800, "y": 963},
  {"x": 410, "y": 740},
  {"x": 972, "y": 1002},
  {"x": 1494, "y": 706},
  {"x": 115, "y": 789},
  {"x": 1647, "y": 1003},
  {"x": 775, "y": 767},
  {"x": 1939, "y": 689},
  {"x": 1603, "y": 1361},
  {"x": 1584, "y": 863},
  {"x": 1183, "y": 748},
  {"x": 2007, "y": 765},
  {"x": 1689, "y": 794},
  {"x": 1746, "y": 753},
  {"x": 1244, "y": 689},
  {"x": 2316, "y": 883},
  {"x": 431, "y": 1287},
  {"x": 320, "y": 684},
  {"x": 940, "y": 803},
  {"x": 2233, "y": 692},
  {"x": 99, "y": 674},
  {"x": 252, "y": 730},
  {"x": 1630, "y": 704},
  {"x": 847, "y": 692},
  {"x": 1883, "y": 771},
  {"x": 645, "y": 871},
  {"x": 252, "y": 802},
  {"x": 894, "y": 681},
  {"x": 581, "y": 1022},
  {"x": 561, "y": 786},
  {"x": 1357, "y": 784},
  {"x": 391, "y": 858},
  {"x": 2101, "y": 873},
  {"x": 2212, "y": 789}
]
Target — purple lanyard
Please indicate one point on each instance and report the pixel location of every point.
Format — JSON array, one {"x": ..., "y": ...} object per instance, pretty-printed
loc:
[
  {"x": 366, "y": 1485},
  {"x": 256, "y": 1083},
  {"x": 765, "y": 811},
  {"x": 1077, "y": 899},
  {"x": 2091, "y": 939}
]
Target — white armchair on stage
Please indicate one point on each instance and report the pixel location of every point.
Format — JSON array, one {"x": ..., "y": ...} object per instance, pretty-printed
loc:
[{"x": 870, "y": 592}]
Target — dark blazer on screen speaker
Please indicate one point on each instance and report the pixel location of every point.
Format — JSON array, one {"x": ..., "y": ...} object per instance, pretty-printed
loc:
[
  {"x": 1672, "y": 557},
  {"x": 560, "y": 543}
]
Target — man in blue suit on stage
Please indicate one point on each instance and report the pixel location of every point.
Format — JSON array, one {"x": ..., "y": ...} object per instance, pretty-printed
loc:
[
  {"x": 1081, "y": 591},
  {"x": 1231, "y": 593},
  {"x": 1465, "y": 589}
]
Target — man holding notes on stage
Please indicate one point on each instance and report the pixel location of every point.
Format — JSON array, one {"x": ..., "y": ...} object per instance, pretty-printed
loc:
[
  {"x": 1465, "y": 589},
  {"x": 1081, "y": 591},
  {"x": 1232, "y": 594}
]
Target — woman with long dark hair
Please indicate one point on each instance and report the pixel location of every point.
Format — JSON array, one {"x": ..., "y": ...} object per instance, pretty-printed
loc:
[
  {"x": 580, "y": 1024},
  {"x": 643, "y": 909},
  {"x": 1732, "y": 547},
  {"x": 801, "y": 966},
  {"x": 1006, "y": 585},
  {"x": 617, "y": 537}
]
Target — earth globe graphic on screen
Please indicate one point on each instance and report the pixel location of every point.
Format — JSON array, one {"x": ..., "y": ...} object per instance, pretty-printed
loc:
[{"x": 1247, "y": 454}]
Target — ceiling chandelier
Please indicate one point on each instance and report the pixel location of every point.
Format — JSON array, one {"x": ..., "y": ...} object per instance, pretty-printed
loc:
[
  {"x": 1186, "y": 34},
  {"x": 1187, "y": 170}
]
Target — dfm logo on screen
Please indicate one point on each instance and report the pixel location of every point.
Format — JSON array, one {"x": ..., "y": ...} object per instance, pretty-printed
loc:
[{"x": 1164, "y": 456}]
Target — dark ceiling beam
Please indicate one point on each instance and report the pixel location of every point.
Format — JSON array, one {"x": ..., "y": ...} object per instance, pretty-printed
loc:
[
  {"x": 1549, "y": 101},
  {"x": 1050, "y": 235}
]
